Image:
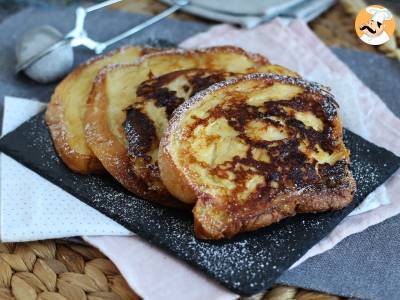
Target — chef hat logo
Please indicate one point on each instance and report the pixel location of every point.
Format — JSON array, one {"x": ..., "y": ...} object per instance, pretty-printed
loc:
[
  {"x": 375, "y": 25},
  {"x": 379, "y": 14}
]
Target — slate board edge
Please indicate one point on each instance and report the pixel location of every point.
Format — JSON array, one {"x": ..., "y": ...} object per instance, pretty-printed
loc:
[{"x": 151, "y": 237}]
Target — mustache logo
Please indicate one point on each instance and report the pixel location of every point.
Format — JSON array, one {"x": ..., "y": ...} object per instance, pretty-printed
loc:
[{"x": 368, "y": 28}]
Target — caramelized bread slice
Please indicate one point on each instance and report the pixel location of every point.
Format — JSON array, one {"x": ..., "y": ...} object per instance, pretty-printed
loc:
[
  {"x": 147, "y": 118},
  {"x": 115, "y": 89},
  {"x": 253, "y": 150},
  {"x": 68, "y": 104},
  {"x": 157, "y": 98}
]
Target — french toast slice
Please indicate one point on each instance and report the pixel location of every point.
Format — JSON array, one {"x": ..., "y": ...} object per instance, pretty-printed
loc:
[
  {"x": 157, "y": 98},
  {"x": 148, "y": 116},
  {"x": 68, "y": 104},
  {"x": 114, "y": 90},
  {"x": 253, "y": 150}
]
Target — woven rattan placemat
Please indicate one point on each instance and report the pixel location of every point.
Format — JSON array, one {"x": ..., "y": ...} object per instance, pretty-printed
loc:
[
  {"x": 59, "y": 270},
  {"x": 65, "y": 270}
]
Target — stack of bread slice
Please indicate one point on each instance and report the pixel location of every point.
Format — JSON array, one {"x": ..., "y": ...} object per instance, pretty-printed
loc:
[{"x": 240, "y": 141}]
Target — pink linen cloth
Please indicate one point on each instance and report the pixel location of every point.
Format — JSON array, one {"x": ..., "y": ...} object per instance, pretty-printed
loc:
[{"x": 156, "y": 275}]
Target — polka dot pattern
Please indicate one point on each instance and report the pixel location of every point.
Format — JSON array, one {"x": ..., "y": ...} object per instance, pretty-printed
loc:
[{"x": 33, "y": 208}]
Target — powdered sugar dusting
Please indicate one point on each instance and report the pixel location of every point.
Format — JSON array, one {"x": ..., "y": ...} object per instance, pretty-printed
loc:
[
  {"x": 250, "y": 262},
  {"x": 309, "y": 86}
]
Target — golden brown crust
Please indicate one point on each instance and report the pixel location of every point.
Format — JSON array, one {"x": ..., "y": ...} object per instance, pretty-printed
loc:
[
  {"x": 173, "y": 178},
  {"x": 288, "y": 206},
  {"x": 112, "y": 153},
  {"x": 292, "y": 177},
  {"x": 76, "y": 160},
  {"x": 105, "y": 114},
  {"x": 257, "y": 60}
]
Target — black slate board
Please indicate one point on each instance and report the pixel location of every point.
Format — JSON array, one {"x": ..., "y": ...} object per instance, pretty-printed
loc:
[{"x": 246, "y": 264}]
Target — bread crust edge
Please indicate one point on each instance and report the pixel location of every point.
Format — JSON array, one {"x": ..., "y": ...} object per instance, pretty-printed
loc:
[
  {"x": 54, "y": 116},
  {"x": 77, "y": 162},
  {"x": 179, "y": 185},
  {"x": 116, "y": 158}
]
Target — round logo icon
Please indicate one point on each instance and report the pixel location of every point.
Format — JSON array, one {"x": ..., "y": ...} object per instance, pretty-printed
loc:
[{"x": 375, "y": 25}]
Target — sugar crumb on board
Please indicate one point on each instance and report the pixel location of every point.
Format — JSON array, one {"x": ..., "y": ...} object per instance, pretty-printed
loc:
[{"x": 249, "y": 261}]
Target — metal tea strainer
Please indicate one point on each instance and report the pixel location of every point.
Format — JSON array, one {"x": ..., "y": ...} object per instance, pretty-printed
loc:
[{"x": 45, "y": 55}]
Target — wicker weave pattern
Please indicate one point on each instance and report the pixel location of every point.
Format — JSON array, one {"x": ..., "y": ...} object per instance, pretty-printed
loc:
[
  {"x": 61, "y": 270},
  {"x": 57, "y": 270}
]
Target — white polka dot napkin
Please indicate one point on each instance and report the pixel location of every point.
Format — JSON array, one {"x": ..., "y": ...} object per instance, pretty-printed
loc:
[{"x": 33, "y": 208}]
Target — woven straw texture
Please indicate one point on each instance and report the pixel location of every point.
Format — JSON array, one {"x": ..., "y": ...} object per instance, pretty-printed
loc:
[
  {"x": 62, "y": 270},
  {"x": 57, "y": 270}
]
